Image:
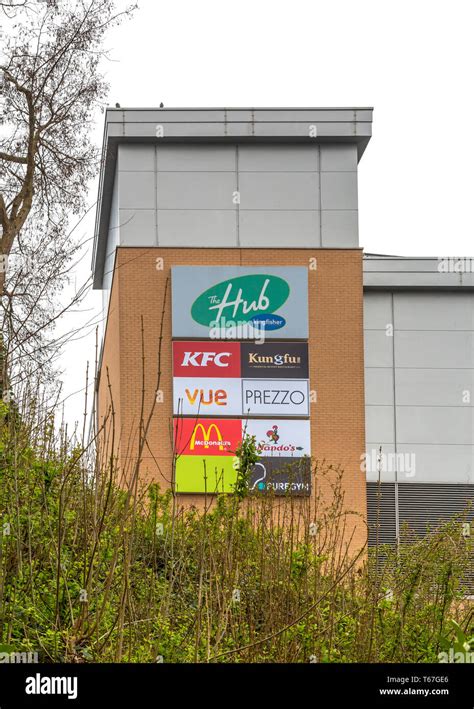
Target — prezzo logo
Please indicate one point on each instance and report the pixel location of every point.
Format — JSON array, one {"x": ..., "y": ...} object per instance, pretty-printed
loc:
[
  {"x": 202, "y": 359},
  {"x": 246, "y": 299},
  {"x": 283, "y": 396},
  {"x": 206, "y": 441}
]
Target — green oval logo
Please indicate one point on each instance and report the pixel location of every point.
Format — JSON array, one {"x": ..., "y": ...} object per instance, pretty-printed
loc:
[{"x": 240, "y": 299}]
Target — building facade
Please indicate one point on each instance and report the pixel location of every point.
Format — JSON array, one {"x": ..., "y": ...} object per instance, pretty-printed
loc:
[{"x": 203, "y": 207}]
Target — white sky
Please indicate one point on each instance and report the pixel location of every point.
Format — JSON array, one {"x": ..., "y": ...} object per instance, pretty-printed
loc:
[{"x": 411, "y": 60}]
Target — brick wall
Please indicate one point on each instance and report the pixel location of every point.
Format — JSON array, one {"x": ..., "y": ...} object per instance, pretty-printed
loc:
[{"x": 335, "y": 345}]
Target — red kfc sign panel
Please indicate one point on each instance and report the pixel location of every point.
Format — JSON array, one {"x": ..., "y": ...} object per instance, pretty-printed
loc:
[
  {"x": 206, "y": 359},
  {"x": 207, "y": 436}
]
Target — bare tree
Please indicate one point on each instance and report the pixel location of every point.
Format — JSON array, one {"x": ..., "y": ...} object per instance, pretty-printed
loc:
[{"x": 51, "y": 87}]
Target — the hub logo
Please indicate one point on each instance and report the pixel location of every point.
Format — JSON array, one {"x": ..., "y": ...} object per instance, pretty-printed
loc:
[{"x": 244, "y": 299}]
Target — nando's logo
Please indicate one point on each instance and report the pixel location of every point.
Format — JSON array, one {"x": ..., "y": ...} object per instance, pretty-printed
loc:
[{"x": 273, "y": 444}]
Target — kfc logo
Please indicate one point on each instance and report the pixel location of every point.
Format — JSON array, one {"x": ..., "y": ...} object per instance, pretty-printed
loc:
[
  {"x": 202, "y": 359},
  {"x": 206, "y": 359}
]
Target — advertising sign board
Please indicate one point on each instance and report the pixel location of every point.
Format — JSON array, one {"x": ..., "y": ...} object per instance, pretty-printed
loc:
[
  {"x": 281, "y": 476},
  {"x": 278, "y": 397},
  {"x": 239, "y": 302},
  {"x": 280, "y": 437},
  {"x": 207, "y": 397},
  {"x": 274, "y": 359}
]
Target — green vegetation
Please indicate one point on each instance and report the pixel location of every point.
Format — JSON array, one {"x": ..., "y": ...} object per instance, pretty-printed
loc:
[{"x": 90, "y": 572}]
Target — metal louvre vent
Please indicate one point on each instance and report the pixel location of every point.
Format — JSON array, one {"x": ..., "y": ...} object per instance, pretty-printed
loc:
[
  {"x": 422, "y": 507},
  {"x": 381, "y": 509},
  {"x": 425, "y": 506}
]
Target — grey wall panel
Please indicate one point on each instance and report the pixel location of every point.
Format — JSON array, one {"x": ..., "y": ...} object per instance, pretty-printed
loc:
[
  {"x": 136, "y": 190},
  {"x": 379, "y": 462},
  {"x": 136, "y": 158},
  {"x": 378, "y": 349},
  {"x": 279, "y": 190},
  {"x": 379, "y": 424},
  {"x": 338, "y": 158},
  {"x": 379, "y": 386},
  {"x": 435, "y": 387},
  {"x": 340, "y": 228},
  {"x": 338, "y": 190},
  {"x": 196, "y": 228},
  {"x": 441, "y": 463},
  {"x": 434, "y": 349},
  {"x": 434, "y": 311},
  {"x": 286, "y": 158},
  {"x": 266, "y": 228},
  {"x": 196, "y": 190},
  {"x": 196, "y": 158},
  {"x": 279, "y": 182},
  {"x": 137, "y": 225},
  {"x": 377, "y": 310},
  {"x": 113, "y": 236},
  {"x": 429, "y": 424}
]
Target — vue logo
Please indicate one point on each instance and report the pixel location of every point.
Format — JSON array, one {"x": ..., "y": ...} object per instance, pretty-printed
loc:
[{"x": 253, "y": 298}]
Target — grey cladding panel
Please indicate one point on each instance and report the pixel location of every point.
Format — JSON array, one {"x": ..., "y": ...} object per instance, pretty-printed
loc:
[
  {"x": 338, "y": 158},
  {"x": 196, "y": 158},
  {"x": 214, "y": 228},
  {"x": 196, "y": 190},
  {"x": 339, "y": 190},
  {"x": 340, "y": 228},
  {"x": 136, "y": 158},
  {"x": 377, "y": 310},
  {"x": 379, "y": 424},
  {"x": 137, "y": 225},
  {"x": 379, "y": 385},
  {"x": 136, "y": 190},
  {"x": 279, "y": 229},
  {"x": 440, "y": 349},
  {"x": 378, "y": 349},
  {"x": 430, "y": 424},
  {"x": 279, "y": 190},
  {"x": 435, "y": 387},
  {"x": 286, "y": 158},
  {"x": 434, "y": 311}
]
